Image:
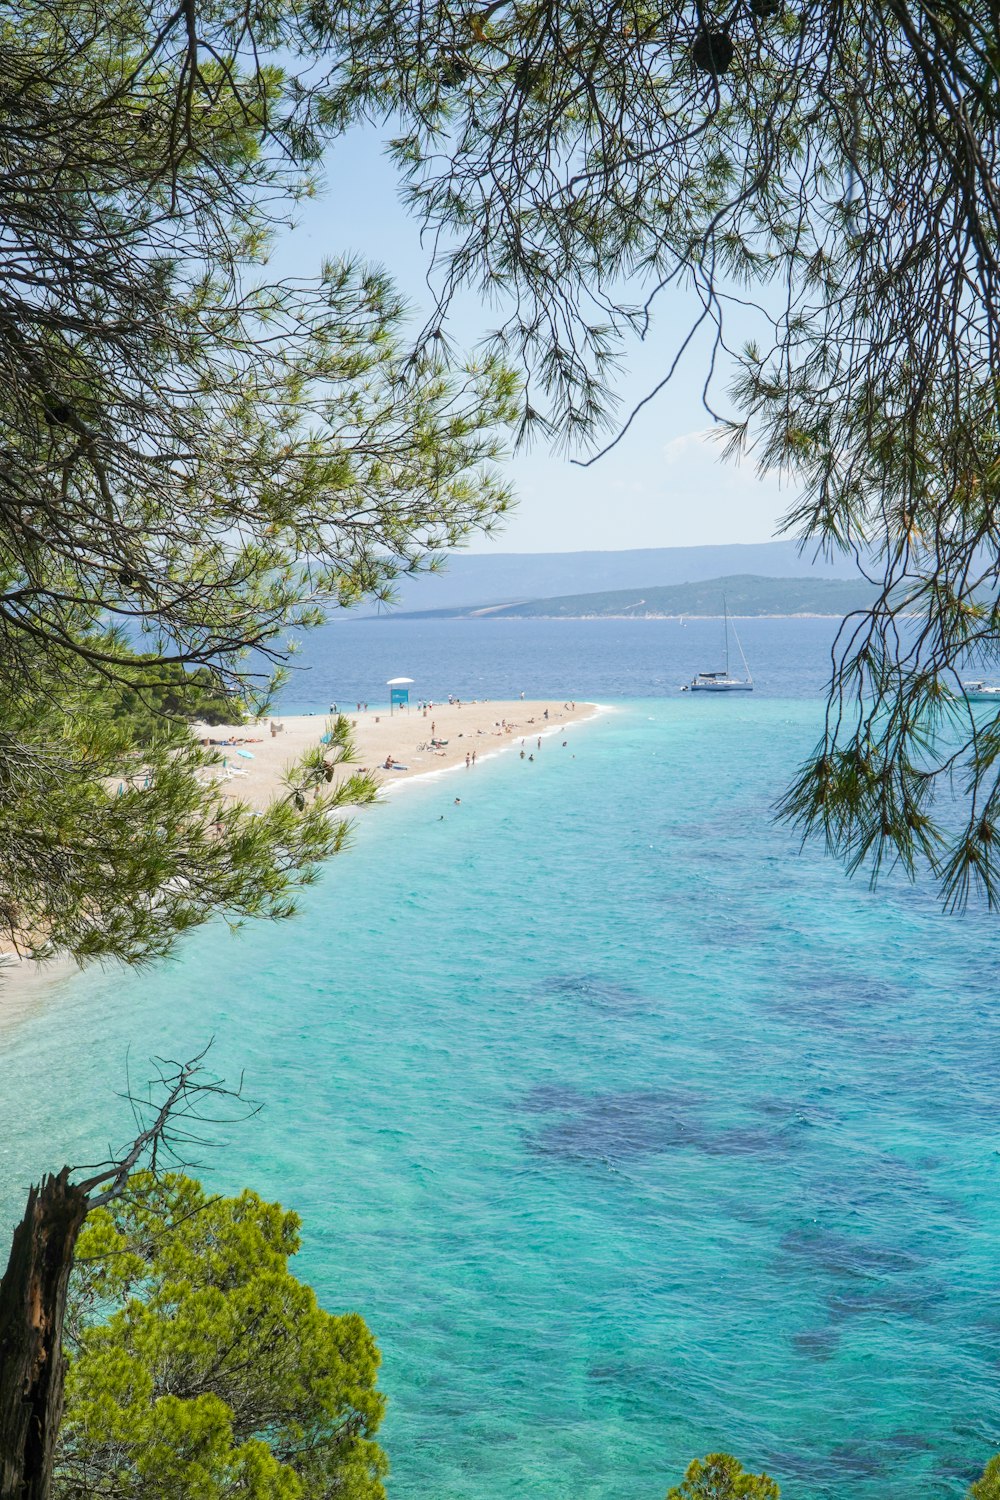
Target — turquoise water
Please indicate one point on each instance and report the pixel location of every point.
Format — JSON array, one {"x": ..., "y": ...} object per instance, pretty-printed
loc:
[{"x": 633, "y": 1131}]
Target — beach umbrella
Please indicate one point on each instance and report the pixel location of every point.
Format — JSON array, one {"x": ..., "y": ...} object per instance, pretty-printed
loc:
[{"x": 246, "y": 754}]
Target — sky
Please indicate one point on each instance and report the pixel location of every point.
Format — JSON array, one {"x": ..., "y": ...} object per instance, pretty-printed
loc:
[{"x": 663, "y": 485}]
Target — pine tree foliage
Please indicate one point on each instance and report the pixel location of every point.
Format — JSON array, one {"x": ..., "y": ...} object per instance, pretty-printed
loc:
[
  {"x": 201, "y": 1368},
  {"x": 827, "y": 169},
  {"x": 987, "y": 1486},
  {"x": 113, "y": 851},
  {"x": 719, "y": 1476},
  {"x": 195, "y": 460}
]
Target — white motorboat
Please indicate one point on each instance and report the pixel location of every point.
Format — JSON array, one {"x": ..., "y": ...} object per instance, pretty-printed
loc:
[{"x": 723, "y": 682}]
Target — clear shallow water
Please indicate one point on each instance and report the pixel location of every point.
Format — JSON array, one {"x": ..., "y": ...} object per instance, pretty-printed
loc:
[{"x": 631, "y": 1130}]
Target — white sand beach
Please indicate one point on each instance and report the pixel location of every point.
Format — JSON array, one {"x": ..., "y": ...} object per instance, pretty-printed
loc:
[
  {"x": 257, "y": 776},
  {"x": 481, "y": 728}
]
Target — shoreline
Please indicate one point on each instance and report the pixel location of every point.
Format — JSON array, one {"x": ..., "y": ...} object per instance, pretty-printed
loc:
[
  {"x": 255, "y": 778},
  {"x": 596, "y": 711},
  {"x": 24, "y": 983},
  {"x": 253, "y": 762}
]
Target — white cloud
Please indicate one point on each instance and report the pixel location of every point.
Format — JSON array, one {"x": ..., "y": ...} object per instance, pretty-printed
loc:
[
  {"x": 706, "y": 446},
  {"x": 686, "y": 444}
]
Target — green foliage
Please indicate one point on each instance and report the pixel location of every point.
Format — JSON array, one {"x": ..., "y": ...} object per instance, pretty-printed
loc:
[
  {"x": 197, "y": 462},
  {"x": 160, "y": 707},
  {"x": 113, "y": 848},
  {"x": 987, "y": 1487},
  {"x": 201, "y": 1369},
  {"x": 316, "y": 769},
  {"x": 719, "y": 1476}
]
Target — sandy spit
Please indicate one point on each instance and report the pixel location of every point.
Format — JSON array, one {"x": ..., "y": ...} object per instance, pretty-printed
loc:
[
  {"x": 257, "y": 776},
  {"x": 405, "y": 736}
]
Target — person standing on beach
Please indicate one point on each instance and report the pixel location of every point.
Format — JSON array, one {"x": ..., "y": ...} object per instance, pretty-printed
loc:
[
  {"x": 473, "y": 757},
  {"x": 468, "y": 760}
]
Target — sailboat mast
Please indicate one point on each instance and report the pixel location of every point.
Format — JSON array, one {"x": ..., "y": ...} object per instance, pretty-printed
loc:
[
  {"x": 725, "y": 615},
  {"x": 743, "y": 655}
]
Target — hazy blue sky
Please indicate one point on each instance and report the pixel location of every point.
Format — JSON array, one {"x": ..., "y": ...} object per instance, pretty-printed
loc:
[{"x": 662, "y": 486}]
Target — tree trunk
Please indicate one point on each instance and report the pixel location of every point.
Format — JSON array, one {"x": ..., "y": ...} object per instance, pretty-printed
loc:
[{"x": 32, "y": 1308}]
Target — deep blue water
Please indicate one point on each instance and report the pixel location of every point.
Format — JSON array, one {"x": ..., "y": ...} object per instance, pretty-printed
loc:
[
  {"x": 580, "y": 659},
  {"x": 633, "y": 1130}
]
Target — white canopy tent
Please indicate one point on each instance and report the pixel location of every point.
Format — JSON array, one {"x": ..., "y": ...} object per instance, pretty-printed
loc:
[{"x": 399, "y": 695}]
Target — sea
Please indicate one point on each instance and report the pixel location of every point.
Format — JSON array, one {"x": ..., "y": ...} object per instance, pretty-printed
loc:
[{"x": 634, "y": 1129}]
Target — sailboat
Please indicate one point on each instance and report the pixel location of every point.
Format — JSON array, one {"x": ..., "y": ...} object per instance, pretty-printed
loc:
[
  {"x": 981, "y": 692},
  {"x": 723, "y": 682}
]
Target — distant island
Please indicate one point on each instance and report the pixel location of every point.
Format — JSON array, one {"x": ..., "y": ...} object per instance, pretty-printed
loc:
[
  {"x": 746, "y": 594},
  {"x": 472, "y": 580}
]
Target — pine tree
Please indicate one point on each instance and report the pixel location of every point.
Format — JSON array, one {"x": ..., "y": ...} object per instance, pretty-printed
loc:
[
  {"x": 200, "y": 1368},
  {"x": 196, "y": 462}
]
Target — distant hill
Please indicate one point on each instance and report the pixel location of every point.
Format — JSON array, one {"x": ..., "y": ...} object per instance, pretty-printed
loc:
[
  {"x": 745, "y": 594},
  {"x": 503, "y": 577}
]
